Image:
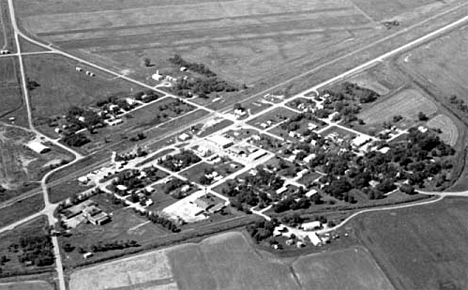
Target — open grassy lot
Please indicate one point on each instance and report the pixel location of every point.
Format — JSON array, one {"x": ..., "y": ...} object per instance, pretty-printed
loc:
[
  {"x": 21, "y": 209},
  {"x": 8, "y": 71},
  {"x": 352, "y": 268},
  {"x": 407, "y": 103},
  {"x": 272, "y": 118},
  {"x": 28, "y": 285},
  {"x": 449, "y": 130},
  {"x": 421, "y": 247},
  {"x": 61, "y": 86}
]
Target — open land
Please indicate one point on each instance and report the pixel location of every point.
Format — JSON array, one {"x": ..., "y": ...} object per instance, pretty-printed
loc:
[
  {"x": 20, "y": 209},
  {"x": 422, "y": 247},
  {"x": 407, "y": 103},
  {"x": 29, "y": 285},
  {"x": 446, "y": 125},
  {"x": 228, "y": 261}
]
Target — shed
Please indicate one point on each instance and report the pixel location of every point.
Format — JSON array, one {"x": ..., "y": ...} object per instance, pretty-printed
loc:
[
  {"x": 37, "y": 147},
  {"x": 311, "y": 225}
]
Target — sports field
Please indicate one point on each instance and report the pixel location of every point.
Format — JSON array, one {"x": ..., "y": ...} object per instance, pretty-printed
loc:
[
  {"x": 407, "y": 103},
  {"x": 449, "y": 130},
  {"x": 420, "y": 247},
  {"x": 228, "y": 261}
]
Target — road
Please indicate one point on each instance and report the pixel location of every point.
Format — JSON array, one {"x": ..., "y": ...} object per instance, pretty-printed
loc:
[{"x": 49, "y": 208}]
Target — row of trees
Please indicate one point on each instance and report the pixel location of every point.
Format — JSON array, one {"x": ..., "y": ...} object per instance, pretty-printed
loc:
[
  {"x": 196, "y": 67},
  {"x": 179, "y": 161}
]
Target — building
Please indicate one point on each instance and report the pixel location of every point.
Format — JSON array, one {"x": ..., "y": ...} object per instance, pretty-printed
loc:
[
  {"x": 202, "y": 204},
  {"x": 114, "y": 122},
  {"x": 184, "y": 136},
  {"x": 157, "y": 76},
  {"x": 37, "y": 147},
  {"x": 360, "y": 140},
  {"x": 315, "y": 239},
  {"x": 311, "y": 193},
  {"x": 310, "y": 226},
  {"x": 257, "y": 155},
  {"x": 220, "y": 141}
]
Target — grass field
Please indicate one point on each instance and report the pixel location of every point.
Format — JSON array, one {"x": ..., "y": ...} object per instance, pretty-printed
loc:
[
  {"x": 421, "y": 247},
  {"x": 352, "y": 268},
  {"x": 29, "y": 285},
  {"x": 449, "y": 130},
  {"x": 441, "y": 62},
  {"x": 383, "y": 10},
  {"x": 20, "y": 210},
  {"x": 61, "y": 86},
  {"x": 228, "y": 261},
  {"x": 407, "y": 103}
]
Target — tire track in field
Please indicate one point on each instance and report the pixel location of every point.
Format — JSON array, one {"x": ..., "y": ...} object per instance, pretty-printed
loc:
[{"x": 188, "y": 22}]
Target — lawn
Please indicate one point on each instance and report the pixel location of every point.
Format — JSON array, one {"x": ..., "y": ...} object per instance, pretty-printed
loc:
[
  {"x": 65, "y": 190},
  {"x": 21, "y": 209},
  {"x": 421, "y": 247}
]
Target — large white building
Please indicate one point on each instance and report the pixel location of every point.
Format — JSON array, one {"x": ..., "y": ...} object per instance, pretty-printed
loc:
[
  {"x": 37, "y": 147},
  {"x": 220, "y": 141}
]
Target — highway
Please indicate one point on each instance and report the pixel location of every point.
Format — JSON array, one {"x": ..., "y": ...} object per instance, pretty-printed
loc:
[{"x": 49, "y": 207}]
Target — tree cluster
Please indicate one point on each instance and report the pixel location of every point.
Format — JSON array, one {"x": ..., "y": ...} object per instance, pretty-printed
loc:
[
  {"x": 262, "y": 230},
  {"x": 179, "y": 161},
  {"x": 116, "y": 245},
  {"x": 196, "y": 67},
  {"x": 75, "y": 139},
  {"x": 36, "y": 249}
]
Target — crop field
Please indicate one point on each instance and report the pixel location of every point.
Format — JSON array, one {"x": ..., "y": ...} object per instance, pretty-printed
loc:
[
  {"x": 242, "y": 40},
  {"x": 407, "y": 103},
  {"x": 352, "y": 268},
  {"x": 385, "y": 10},
  {"x": 442, "y": 63},
  {"x": 28, "y": 285},
  {"x": 8, "y": 71},
  {"x": 228, "y": 261},
  {"x": 421, "y": 247},
  {"x": 449, "y": 130}
]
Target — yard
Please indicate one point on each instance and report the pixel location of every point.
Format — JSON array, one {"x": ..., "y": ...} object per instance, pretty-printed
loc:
[{"x": 272, "y": 118}]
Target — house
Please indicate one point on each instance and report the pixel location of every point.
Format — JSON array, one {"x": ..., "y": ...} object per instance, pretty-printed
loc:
[
  {"x": 220, "y": 141},
  {"x": 310, "y": 226},
  {"x": 37, "y": 147},
  {"x": 359, "y": 141},
  {"x": 184, "y": 136},
  {"x": 309, "y": 157},
  {"x": 384, "y": 150},
  {"x": 422, "y": 129},
  {"x": 282, "y": 190},
  {"x": 121, "y": 187},
  {"x": 217, "y": 207},
  {"x": 183, "y": 68},
  {"x": 185, "y": 188},
  {"x": 157, "y": 76},
  {"x": 311, "y": 193}
]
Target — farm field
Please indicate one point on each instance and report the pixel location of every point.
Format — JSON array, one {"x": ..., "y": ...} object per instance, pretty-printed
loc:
[
  {"x": 407, "y": 103},
  {"x": 241, "y": 40},
  {"x": 385, "y": 10},
  {"x": 352, "y": 268},
  {"x": 228, "y": 261},
  {"x": 449, "y": 130},
  {"x": 441, "y": 62},
  {"x": 28, "y": 285},
  {"x": 421, "y": 247}
]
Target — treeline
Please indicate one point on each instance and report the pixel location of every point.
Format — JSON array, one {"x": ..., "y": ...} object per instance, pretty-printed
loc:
[
  {"x": 262, "y": 230},
  {"x": 179, "y": 161},
  {"x": 196, "y": 67},
  {"x": 116, "y": 245}
]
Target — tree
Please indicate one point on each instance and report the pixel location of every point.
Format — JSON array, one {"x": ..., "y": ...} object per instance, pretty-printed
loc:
[
  {"x": 422, "y": 116},
  {"x": 147, "y": 62}
]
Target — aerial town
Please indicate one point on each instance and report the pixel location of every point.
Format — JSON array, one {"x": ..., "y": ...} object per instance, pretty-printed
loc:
[{"x": 234, "y": 145}]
